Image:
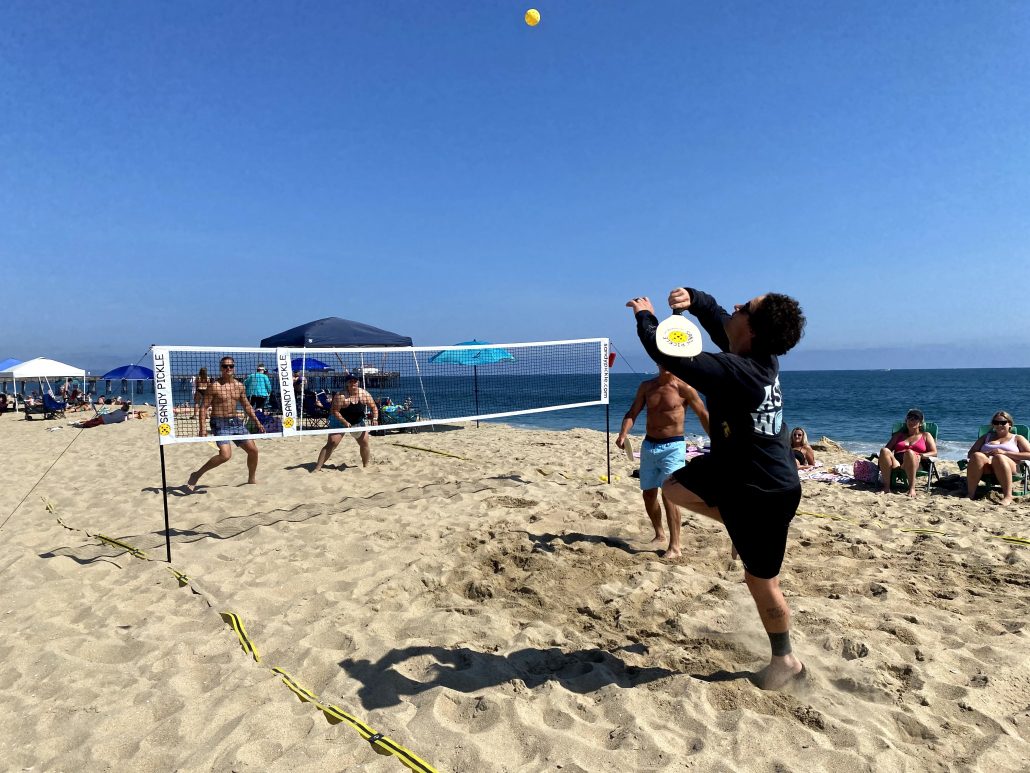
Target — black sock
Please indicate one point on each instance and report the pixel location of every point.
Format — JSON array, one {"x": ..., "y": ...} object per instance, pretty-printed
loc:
[{"x": 780, "y": 643}]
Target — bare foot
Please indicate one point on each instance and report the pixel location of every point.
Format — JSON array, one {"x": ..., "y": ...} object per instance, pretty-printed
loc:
[
  {"x": 191, "y": 483},
  {"x": 1006, "y": 500},
  {"x": 252, "y": 481},
  {"x": 658, "y": 541},
  {"x": 672, "y": 553},
  {"x": 911, "y": 494},
  {"x": 781, "y": 672}
]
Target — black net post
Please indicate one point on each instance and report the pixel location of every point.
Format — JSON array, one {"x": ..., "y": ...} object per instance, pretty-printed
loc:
[
  {"x": 164, "y": 495},
  {"x": 608, "y": 440}
]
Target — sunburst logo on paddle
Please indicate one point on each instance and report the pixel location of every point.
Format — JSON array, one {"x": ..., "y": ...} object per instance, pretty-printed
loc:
[
  {"x": 678, "y": 337},
  {"x": 164, "y": 430},
  {"x": 288, "y": 422}
]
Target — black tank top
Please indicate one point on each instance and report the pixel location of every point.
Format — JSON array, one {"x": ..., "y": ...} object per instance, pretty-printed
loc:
[{"x": 353, "y": 413}]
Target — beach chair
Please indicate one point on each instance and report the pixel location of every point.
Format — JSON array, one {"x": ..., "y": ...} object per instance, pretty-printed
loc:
[
  {"x": 1020, "y": 476},
  {"x": 314, "y": 415},
  {"x": 927, "y": 465},
  {"x": 52, "y": 407}
]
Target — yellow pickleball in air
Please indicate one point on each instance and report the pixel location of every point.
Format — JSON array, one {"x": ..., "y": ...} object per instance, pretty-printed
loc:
[{"x": 532, "y": 17}]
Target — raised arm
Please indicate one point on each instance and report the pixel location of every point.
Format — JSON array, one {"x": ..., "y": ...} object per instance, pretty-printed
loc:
[{"x": 702, "y": 372}]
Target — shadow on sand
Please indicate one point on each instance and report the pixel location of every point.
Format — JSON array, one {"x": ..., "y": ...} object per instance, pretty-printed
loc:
[{"x": 468, "y": 671}]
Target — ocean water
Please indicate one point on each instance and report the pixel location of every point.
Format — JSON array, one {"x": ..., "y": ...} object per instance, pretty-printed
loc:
[{"x": 854, "y": 407}]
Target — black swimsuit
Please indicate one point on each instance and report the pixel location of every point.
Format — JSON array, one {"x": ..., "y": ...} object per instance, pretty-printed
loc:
[{"x": 353, "y": 413}]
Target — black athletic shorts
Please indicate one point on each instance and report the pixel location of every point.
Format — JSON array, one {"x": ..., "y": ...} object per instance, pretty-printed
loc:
[{"x": 756, "y": 520}]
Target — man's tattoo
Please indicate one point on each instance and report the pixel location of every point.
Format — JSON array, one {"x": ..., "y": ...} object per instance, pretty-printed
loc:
[{"x": 775, "y": 612}]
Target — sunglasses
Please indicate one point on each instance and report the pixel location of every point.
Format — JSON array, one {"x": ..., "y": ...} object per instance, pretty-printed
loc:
[
  {"x": 228, "y": 367},
  {"x": 999, "y": 422},
  {"x": 744, "y": 308},
  {"x": 913, "y": 418}
]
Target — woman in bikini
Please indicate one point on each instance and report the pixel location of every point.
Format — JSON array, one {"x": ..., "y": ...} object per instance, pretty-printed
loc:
[
  {"x": 906, "y": 449},
  {"x": 200, "y": 387},
  {"x": 800, "y": 448},
  {"x": 999, "y": 452}
]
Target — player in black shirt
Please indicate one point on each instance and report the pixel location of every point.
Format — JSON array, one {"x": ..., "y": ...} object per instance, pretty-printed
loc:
[{"x": 749, "y": 482}]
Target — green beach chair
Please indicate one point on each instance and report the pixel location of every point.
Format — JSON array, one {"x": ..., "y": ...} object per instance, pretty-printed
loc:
[
  {"x": 1022, "y": 473},
  {"x": 928, "y": 465}
]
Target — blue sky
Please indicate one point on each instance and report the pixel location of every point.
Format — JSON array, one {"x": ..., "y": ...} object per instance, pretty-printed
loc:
[{"x": 211, "y": 173}]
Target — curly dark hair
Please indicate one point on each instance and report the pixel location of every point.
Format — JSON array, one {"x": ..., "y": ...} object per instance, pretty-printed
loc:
[{"x": 778, "y": 324}]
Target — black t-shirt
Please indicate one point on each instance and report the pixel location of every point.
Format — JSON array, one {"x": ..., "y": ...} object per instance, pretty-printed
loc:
[{"x": 745, "y": 404}]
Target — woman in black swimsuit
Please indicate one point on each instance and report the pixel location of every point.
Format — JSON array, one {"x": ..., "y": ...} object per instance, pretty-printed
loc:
[{"x": 348, "y": 410}]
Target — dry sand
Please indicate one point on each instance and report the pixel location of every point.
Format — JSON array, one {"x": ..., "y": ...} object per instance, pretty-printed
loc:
[{"x": 495, "y": 612}]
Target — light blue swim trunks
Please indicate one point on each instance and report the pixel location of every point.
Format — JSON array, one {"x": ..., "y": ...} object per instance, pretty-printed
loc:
[{"x": 660, "y": 459}]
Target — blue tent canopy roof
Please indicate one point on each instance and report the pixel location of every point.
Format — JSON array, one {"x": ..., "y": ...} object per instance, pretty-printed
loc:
[
  {"x": 9, "y": 363},
  {"x": 334, "y": 331}
]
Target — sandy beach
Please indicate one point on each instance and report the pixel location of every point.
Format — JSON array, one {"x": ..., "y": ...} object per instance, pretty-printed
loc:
[{"x": 492, "y": 607}]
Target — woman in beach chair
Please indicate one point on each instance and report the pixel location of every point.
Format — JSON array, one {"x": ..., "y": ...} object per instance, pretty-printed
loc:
[
  {"x": 911, "y": 447},
  {"x": 1000, "y": 455}
]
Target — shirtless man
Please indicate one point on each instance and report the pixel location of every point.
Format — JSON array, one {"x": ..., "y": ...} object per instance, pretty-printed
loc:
[
  {"x": 663, "y": 450},
  {"x": 221, "y": 397},
  {"x": 348, "y": 410}
]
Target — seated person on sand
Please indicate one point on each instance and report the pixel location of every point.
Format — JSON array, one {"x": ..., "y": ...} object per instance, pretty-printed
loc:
[
  {"x": 348, "y": 410},
  {"x": 115, "y": 417},
  {"x": 803, "y": 453},
  {"x": 998, "y": 452},
  {"x": 906, "y": 449}
]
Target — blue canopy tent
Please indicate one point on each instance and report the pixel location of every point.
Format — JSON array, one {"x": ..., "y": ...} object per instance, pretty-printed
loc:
[
  {"x": 130, "y": 373},
  {"x": 331, "y": 332},
  {"x": 475, "y": 358},
  {"x": 334, "y": 331}
]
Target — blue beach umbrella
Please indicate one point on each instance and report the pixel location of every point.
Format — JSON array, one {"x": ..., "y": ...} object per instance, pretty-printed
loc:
[
  {"x": 308, "y": 363},
  {"x": 475, "y": 358},
  {"x": 130, "y": 372}
]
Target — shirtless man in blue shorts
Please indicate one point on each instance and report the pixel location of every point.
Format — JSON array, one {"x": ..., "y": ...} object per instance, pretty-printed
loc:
[
  {"x": 221, "y": 397},
  {"x": 664, "y": 449},
  {"x": 749, "y": 481}
]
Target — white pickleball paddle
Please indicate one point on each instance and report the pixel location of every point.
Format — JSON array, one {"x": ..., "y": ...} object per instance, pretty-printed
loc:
[{"x": 678, "y": 337}]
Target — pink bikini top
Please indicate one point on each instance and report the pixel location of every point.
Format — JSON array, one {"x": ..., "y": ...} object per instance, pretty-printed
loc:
[{"x": 919, "y": 446}]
